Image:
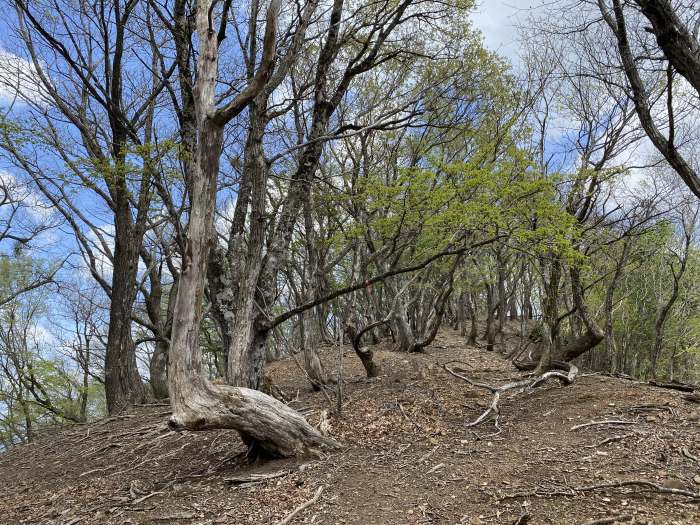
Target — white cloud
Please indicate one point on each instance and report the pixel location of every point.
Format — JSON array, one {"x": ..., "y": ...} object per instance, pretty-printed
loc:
[
  {"x": 19, "y": 81},
  {"x": 32, "y": 203},
  {"x": 498, "y": 20}
]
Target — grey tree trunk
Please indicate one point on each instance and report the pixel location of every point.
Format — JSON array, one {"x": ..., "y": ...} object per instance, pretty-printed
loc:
[
  {"x": 263, "y": 422},
  {"x": 490, "y": 334},
  {"x": 550, "y": 326},
  {"x": 473, "y": 320},
  {"x": 123, "y": 384}
]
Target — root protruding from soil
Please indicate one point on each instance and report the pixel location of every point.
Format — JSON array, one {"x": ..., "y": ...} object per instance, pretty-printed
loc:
[{"x": 566, "y": 375}]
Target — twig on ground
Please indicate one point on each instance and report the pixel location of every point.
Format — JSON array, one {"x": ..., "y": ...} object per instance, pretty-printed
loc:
[
  {"x": 428, "y": 454},
  {"x": 403, "y": 413},
  {"x": 603, "y": 422},
  {"x": 144, "y": 498},
  {"x": 96, "y": 470},
  {"x": 571, "y": 491},
  {"x": 524, "y": 519},
  {"x": 436, "y": 467},
  {"x": 610, "y": 519},
  {"x": 301, "y": 507},
  {"x": 612, "y": 440},
  {"x": 688, "y": 455}
]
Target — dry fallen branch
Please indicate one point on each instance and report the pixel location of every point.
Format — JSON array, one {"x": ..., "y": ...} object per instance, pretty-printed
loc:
[
  {"x": 301, "y": 507},
  {"x": 93, "y": 471},
  {"x": 604, "y": 422},
  {"x": 674, "y": 385},
  {"x": 612, "y": 440},
  {"x": 693, "y": 398},
  {"x": 144, "y": 498},
  {"x": 641, "y": 483},
  {"x": 608, "y": 520},
  {"x": 529, "y": 383}
]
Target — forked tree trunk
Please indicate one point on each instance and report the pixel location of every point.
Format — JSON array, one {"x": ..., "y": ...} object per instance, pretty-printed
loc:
[
  {"x": 364, "y": 353},
  {"x": 197, "y": 404},
  {"x": 405, "y": 339}
]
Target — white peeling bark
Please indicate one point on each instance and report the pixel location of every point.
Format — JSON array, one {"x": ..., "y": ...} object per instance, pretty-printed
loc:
[{"x": 197, "y": 404}]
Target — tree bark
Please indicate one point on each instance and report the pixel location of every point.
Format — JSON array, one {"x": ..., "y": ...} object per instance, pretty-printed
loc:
[
  {"x": 123, "y": 384},
  {"x": 473, "y": 319},
  {"x": 675, "y": 39},
  {"x": 365, "y": 354},
  {"x": 490, "y": 334},
  {"x": 197, "y": 404}
]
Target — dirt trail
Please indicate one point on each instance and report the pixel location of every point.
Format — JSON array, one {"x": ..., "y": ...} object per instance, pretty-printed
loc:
[{"x": 408, "y": 457}]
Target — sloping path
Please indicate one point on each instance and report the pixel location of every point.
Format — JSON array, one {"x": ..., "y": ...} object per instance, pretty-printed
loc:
[{"x": 409, "y": 458}]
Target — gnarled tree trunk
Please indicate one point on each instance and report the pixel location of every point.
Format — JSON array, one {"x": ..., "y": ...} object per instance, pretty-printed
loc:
[
  {"x": 197, "y": 404},
  {"x": 364, "y": 353}
]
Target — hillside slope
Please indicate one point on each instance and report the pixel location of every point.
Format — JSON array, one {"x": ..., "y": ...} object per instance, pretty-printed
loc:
[{"x": 408, "y": 457}]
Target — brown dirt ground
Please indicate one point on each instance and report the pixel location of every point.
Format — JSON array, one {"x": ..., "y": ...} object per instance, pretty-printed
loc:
[{"x": 408, "y": 457}]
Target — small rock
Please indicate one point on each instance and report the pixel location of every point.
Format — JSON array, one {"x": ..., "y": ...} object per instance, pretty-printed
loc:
[
  {"x": 651, "y": 419},
  {"x": 696, "y": 479}
]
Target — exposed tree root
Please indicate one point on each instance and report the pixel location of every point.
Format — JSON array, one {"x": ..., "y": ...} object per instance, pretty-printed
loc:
[
  {"x": 567, "y": 378},
  {"x": 266, "y": 425},
  {"x": 571, "y": 491}
]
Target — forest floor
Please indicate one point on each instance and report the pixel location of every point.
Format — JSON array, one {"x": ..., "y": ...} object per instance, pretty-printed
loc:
[{"x": 408, "y": 457}]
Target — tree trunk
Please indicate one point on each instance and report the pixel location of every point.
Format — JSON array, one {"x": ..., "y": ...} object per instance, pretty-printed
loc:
[
  {"x": 593, "y": 334},
  {"x": 197, "y": 404},
  {"x": 610, "y": 347},
  {"x": 462, "y": 312},
  {"x": 490, "y": 334},
  {"x": 550, "y": 327},
  {"x": 502, "y": 300},
  {"x": 473, "y": 318},
  {"x": 158, "y": 365},
  {"x": 123, "y": 385},
  {"x": 364, "y": 353},
  {"x": 309, "y": 341},
  {"x": 405, "y": 339},
  {"x": 158, "y": 370}
]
